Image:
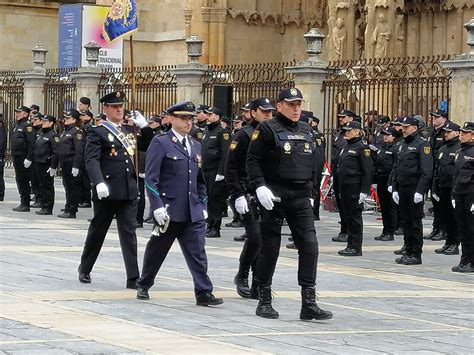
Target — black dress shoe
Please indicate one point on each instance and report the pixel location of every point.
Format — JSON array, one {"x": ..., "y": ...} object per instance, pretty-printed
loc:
[
  {"x": 132, "y": 284},
  {"x": 399, "y": 231},
  {"x": 21, "y": 208},
  {"x": 401, "y": 251},
  {"x": 442, "y": 249},
  {"x": 440, "y": 236},
  {"x": 213, "y": 233},
  {"x": 236, "y": 223},
  {"x": 387, "y": 238},
  {"x": 142, "y": 293},
  {"x": 139, "y": 225},
  {"x": 433, "y": 233},
  {"x": 341, "y": 238},
  {"x": 466, "y": 268},
  {"x": 242, "y": 286},
  {"x": 451, "y": 250},
  {"x": 83, "y": 277},
  {"x": 84, "y": 205},
  {"x": 67, "y": 215},
  {"x": 208, "y": 299},
  {"x": 44, "y": 212},
  {"x": 350, "y": 252},
  {"x": 291, "y": 246},
  {"x": 379, "y": 237},
  {"x": 36, "y": 205},
  {"x": 412, "y": 260},
  {"x": 400, "y": 259},
  {"x": 241, "y": 238}
]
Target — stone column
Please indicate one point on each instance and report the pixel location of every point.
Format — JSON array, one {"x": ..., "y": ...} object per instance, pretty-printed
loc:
[
  {"x": 88, "y": 78},
  {"x": 461, "y": 106},
  {"x": 34, "y": 80}
]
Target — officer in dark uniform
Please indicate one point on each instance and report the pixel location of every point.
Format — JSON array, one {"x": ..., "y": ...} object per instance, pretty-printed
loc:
[
  {"x": 109, "y": 163},
  {"x": 443, "y": 184},
  {"x": 463, "y": 197},
  {"x": 338, "y": 143},
  {"x": 86, "y": 119},
  {"x": 22, "y": 150},
  {"x": 37, "y": 124},
  {"x": 84, "y": 104},
  {"x": 383, "y": 122},
  {"x": 281, "y": 167},
  {"x": 177, "y": 193},
  {"x": 436, "y": 139},
  {"x": 46, "y": 163},
  {"x": 412, "y": 174},
  {"x": 71, "y": 158},
  {"x": 236, "y": 177},
  {"x": 397, "y": 124},
  {"x": 215, "y": 144},
  {"x": 197, "y": 132},
  {"x": 3, "y": 150},
  {"x": 384, "y": 160}
]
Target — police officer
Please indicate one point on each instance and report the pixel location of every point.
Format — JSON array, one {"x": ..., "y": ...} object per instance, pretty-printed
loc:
[
  {"x": 177, "y": 193},
  {"x": 442, "y": 186},
  {"x": 3, "y": 150},
  {"x": 281, "y": 167},
  {"x": 86, "y": 123},
  {"x": 197, "y": 132},
  {"x": 109, "y": 163},
  {"x": 22, "y": 150},
  {"x": 71, "y": 158},
  {"x": 84, "y": 104},
  {"x": 37, "y": 124},
  {"x": 412, "y": 174},
  {"x": 215, "y": 144},
  {"x": 384, "y": 160},
  {"x": 463, "y": 197},
  {"x": 261, "y": 109},
  {"x": 46, "y": 163},
  {"x": 383, "y": 122}
]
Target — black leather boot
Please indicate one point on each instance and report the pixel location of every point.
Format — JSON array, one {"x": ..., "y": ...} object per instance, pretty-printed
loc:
[
  {"x": 309, "y": 308},
  {"x": 264, "y": 307},
  {"x": 241, "y": 280},
  {"x": 401, "y": 251}
]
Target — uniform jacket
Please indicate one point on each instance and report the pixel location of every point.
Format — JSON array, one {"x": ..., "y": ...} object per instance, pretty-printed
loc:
[
  {"x": 23, "y": 140},
  {"x": 385, "y": 158},
  {"x": 143, "y": 142},
  {"x": 108, "y": 161},
  {"x": 215, "y": 144},
  {"x": 46, "y": 148},
  {"x": 436, "y": 138},
  {"x": 463, "y": 180},
  {"x": 197, "y": 132},
  {"x": 3, "y": 141},
  {"x": 444, "y": 164},
  {"x": 173, "y": 177},
  {"x": 338, "y": 143},
  {"x": 71, "y": 146}
]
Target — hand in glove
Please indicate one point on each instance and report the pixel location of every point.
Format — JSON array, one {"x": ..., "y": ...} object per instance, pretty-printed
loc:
[
  {"x": 435, "y": 197},
  {"x": 51, "y": 172},
  {"x": 75, "y": 172},
  {"x": 141, "y": 175},
  {"x": 160, "y": 216},
  {"x": 453, "y": 202},
  {"x": 241, "y": 205},
  {"x": 204, "y": 212},
  {"x": 266, "y": 197},
  {"x": 472, "y": 208},
  {"x": 390, "y": 189},
  {"x": 138, "y": 119},
  {"x": 311, "y": 201},
  {"x": 395, "y": 197},
  {"x": 102, "y": 190},
  {"x": 362, "y": 198},
  {"x": 418, "y": 197},
  {"x": 26, "y": 163},
  {"x": 219, "y": 177}
]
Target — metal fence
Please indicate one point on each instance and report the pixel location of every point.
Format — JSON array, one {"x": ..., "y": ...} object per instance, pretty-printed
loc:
[
  {"x": 155, "y": 87},
  {"x": 59, "y": 91},
  {"x": 11, "y": 96},
  {"x": 248, "y": 81}
]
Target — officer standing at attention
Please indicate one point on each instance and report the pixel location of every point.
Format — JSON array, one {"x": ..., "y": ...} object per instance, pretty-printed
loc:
[
  {"x": 355, "y": 172},
  {"x": 46, "y": 164},
  {"x": 84, "y": 104},
  {"x": 215, "y": 144},
  {"x": 3, "y": 149},
  {"x": 37, "y": 124},
  {"x": 109, "y": 163},
  {"x": 463, "y": 197},
  {"x": 22, "y": 150},
  {"x": 281, "y": 167},
  {"x": 177, "y": 193},
  {"x": 412, "y": 174},
  {"x": 261, "y": 109},
  {"x": 197, "y": 132},
  {"x": 86, "y": 123}
]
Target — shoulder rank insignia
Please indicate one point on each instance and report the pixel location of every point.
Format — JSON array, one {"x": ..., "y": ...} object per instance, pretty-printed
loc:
[
  {"x": 79, "y": 136},
  {"x": 427, "y": 150},
  {"x": 226, "y": 136},
  {"x": 29, "y": 129},
  {"x": 233, "y": 145},
  {"x": 367, "y": 152},
  {"x": 255, "y": 135}
]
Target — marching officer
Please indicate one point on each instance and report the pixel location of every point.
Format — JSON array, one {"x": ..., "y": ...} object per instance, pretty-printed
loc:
[
  {"x": 412, "y": 174},
  {"x": 175, "y": 187},
  {"x": 22, "y": 150},
  {"x": 281, "y": 167},
  {"x": 71, "y": 158},
  {"x": 215, "y": 144},
  {"x": 109, "y": 163},
  {"x": 46, "y": 163},
  {"x": 463, "y": 197},
  {"x": 261, "y": 109},
  {"x": 355, "y": 172}
]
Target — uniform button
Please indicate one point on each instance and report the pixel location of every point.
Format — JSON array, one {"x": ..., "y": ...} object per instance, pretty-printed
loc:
[
  {"x": 189, "y": 182},
  {"x": 126, "y": 161},
  {"x": 189, "y": 193},
  {"x": 128, "y": 169},
  {"x": 190, "y": 171}
]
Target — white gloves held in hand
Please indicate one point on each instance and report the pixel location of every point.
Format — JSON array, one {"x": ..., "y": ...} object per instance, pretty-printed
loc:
[
  {"x": 160, "y": 216},
  {"x": 453, "y": 202},
  {"x": 204, "y": 212},
  {"x": 51, "y": 172},
  {"x": 435, "y": 197},
  {"x": 26, "y": 163},
  {"x": 418, "y": 197},
  {"x": 241, "y": 205},
  {"x": 395, "y": 197},
  {"x": 219, "y": 177},
  {"x": 362, "y": 197},
  {"x": 102, "y": 190},
  {"x": 390, "y": 189},
  {"x": 75, "y": 172},
  {"x": 138, "y": 119},
  {"x": 265, "y": 197}
]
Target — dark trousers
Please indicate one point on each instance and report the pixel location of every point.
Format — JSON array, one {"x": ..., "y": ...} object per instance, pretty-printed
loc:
[
  {"x": 411, "y": 215},
  {"x": 71, "y": 187},
  {"x": 353, "y": 214},
  {"x": 300, "y": 217},
  {"x": 447, "y": 215},
  {"x": 387, "y": 206},
  {"x": 335, "y": 184},
  {"x": 252, "y": 243},
  {"x": 22, "y": 177},
  {"x": 217, "y": 193},
  {"x": 45, "y": 185},
  {"x": 2, "y": 179},
  {"x": 104, "y": 211},
  {"x": 141, "y": 200},
  {"x": 191, "y": 238},
  {"x": 317, "y": 202},
  {"x": 86, "y": 188},
  {"x": 35, "y": 184},
  {"x": 465, "y": 221},
  {"x": 235, "y": 215},
  {"x": 437, "y": 215}
]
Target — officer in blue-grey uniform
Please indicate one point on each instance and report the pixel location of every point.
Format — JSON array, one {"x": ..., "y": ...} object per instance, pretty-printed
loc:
[
  {"x": 178, "y": 202},
  {"x": 109, "y": 163}
]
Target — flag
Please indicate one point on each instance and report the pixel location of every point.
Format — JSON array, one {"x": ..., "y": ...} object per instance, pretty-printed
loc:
[{"x": 121, "y": 20}]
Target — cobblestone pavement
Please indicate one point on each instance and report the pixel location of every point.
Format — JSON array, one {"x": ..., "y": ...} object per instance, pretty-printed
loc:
[{"x": 378, "y": 306}]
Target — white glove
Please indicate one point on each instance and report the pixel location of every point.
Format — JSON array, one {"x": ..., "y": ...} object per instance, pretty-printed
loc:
[
  {"x": 141, "y": 175},
  {"x": 390, "y": 189},
  {"x": 472, "y": 208},
  {"x": 138, "y": 119},
  {"x": 453, "y": 202},
  {"x": 51, "y": 172},
  {"x": 362, "y": 197},
  {"x": 418, "y": 197},
  {"x": 75, "y": 172},
  {"x": 395, "y": 197},
  {"x": 160, "y": 215},
  {"x": 241, "y": 205},
  {"x": 219, "y": 177},
  {"x": 204, "y": 212},
  {"x": 266, "y": 197},
  {"x": 436, "y": 197},
  {"x": 311, "y": 201},
  {"x": 26, "y": 163},
  {"x": 102, "y": 190}
]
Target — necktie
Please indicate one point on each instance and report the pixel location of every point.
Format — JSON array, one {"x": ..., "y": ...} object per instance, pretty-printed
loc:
[{"x": 184, "y": 143}]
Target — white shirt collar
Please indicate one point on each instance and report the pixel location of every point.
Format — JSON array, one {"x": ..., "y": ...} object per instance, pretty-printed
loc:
[
  {"x": 180, "y": 139},
  {"x": 116, "y": 125}
]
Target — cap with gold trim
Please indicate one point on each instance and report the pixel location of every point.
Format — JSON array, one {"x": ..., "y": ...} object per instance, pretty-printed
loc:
[{"x": 113, "y": 98}]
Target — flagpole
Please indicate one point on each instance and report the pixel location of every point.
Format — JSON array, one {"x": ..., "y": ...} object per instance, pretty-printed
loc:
[{"x": 132, "y": 104}]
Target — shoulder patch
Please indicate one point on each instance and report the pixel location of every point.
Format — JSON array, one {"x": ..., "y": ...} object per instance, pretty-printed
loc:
[
  {"x": 79, "y": 136},
  {"x": 427, "y": 150},
  {"x": 29, "y": 129},
  {"x": 255, "y": 135},
  {"x": 226, "y": 136},
  {"x": 56, "y": 139},
  {"x": 367, "y": 152},
  {"x": 233, "y": 145}
]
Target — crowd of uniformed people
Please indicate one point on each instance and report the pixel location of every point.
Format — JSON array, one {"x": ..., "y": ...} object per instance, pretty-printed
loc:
[{"x": 269, "y": 167}]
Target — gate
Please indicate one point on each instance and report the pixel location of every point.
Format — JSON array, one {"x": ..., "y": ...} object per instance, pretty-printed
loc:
[{"x": 59, "y": 91}]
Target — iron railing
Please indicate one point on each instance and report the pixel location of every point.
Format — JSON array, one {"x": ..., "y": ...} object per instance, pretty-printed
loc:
[{"x": 59, "y": 91}]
